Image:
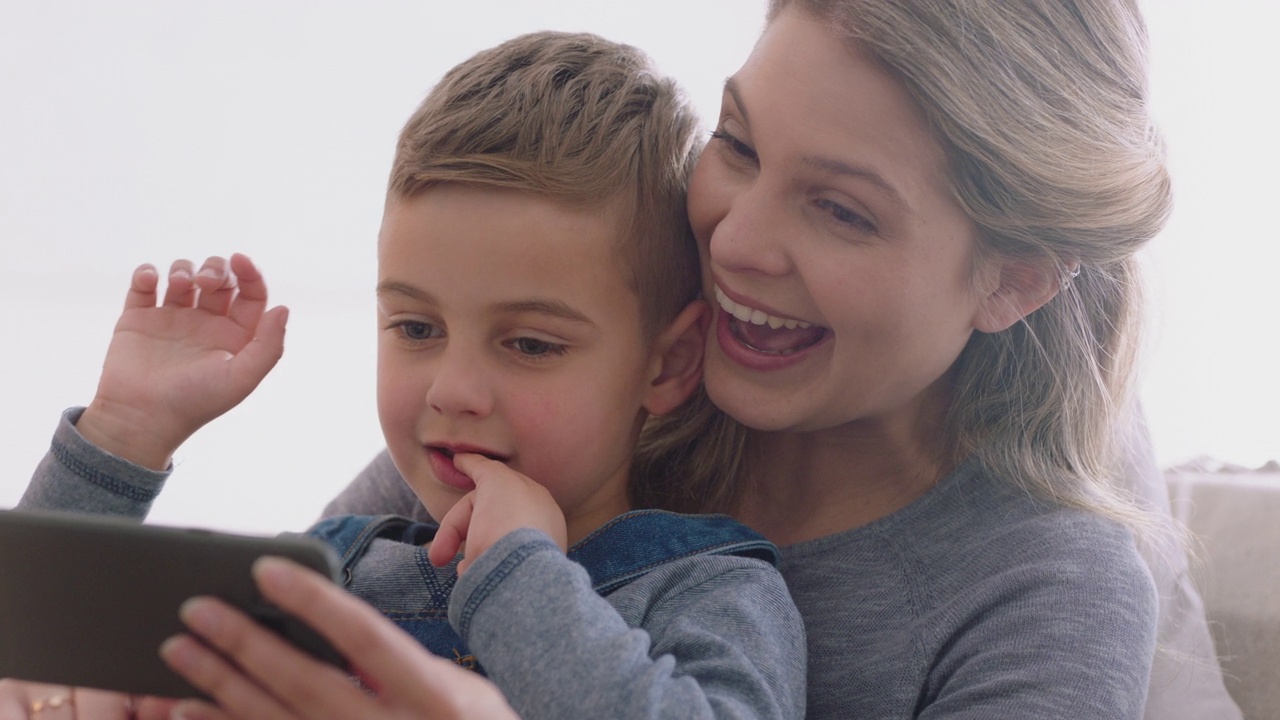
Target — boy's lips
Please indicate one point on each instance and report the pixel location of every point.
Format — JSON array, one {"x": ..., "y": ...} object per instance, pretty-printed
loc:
[
  {"x": 755, "y": 337},
  {"x": 441, "y": 459}
]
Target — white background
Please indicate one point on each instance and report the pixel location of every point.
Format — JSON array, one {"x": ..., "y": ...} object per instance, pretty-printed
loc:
[{"x": 146, "y": 130}]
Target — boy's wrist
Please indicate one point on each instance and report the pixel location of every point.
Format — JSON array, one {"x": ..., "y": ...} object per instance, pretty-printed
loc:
[{"x": 127, "y": 434}]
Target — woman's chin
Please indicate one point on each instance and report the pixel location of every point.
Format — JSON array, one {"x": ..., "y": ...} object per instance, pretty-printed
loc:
[{"x": 757, "y": 406}]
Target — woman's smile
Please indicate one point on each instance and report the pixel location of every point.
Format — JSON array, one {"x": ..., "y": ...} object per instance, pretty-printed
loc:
[{"x": 764, "y": 332}]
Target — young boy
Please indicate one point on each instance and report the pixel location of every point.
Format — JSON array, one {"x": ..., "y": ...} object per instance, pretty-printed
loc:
[{"x": 537, "y": 303}]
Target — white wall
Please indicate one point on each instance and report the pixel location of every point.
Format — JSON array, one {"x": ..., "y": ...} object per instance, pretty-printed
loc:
[{"x": 144, "y": 130}]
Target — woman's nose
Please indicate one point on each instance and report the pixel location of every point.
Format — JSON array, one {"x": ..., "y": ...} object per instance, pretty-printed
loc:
[
  {"x": 461, "y": 386},
  {"x": 751, "y": 236}
]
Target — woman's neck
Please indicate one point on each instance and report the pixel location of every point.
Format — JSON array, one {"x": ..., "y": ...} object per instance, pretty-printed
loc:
[{"x": 802, "y": 486}]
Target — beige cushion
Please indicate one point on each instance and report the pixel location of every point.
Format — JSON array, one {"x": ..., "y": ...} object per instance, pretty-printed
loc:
[{"x": 1235, "y": 562}]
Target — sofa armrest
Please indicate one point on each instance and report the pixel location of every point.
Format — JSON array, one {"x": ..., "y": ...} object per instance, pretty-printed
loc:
[{"x": 1235, "y": 563}]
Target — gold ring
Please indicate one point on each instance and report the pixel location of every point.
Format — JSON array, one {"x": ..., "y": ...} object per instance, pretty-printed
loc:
[{"x": 53, "y": 703}]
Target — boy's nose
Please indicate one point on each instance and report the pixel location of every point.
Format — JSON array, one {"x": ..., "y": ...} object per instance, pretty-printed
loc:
[{"x": 460, "y": 386}]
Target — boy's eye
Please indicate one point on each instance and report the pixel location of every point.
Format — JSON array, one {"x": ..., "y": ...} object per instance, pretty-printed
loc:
[
  {"x": 535, "y": 347},
  {"x": 736, "y": 146},
  {"x": 414, "y": 330}
]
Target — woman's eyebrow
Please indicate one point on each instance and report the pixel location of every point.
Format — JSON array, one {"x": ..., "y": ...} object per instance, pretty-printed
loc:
[
  {"x": 731, "y": 87},
  {"x": 838, "y": 167}
]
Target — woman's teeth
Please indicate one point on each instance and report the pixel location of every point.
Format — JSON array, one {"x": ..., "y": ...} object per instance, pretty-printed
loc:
[{"x": 756, "y": 317}]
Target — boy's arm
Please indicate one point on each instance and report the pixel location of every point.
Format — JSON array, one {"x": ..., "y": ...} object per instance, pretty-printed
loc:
[
  {"x": 503, "y": 500},
  {"x": 175, "y": 365},
  {"x": 170, "y": 368},
  {"x": 78, "y": 476},
  {"x": 717, "y": 636}
]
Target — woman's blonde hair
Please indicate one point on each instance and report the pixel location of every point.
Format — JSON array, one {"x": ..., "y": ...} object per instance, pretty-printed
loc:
[{"x": 1042, "y": 109}]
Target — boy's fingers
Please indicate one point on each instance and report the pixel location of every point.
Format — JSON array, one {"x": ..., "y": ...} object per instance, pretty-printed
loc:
[
  {"x": 250, "y": 277},
  {"x": 217, "y": 286},
  {"x": 480, "y": 468},
  {"x": 257, "y": 357},
  {"x": 452, "y": 532},
  {"x": 182, "y": 289},
  {"x": 142, "y": 288},
  {"x": 252, "y": 297},
  {"x": 215, "y": 274}
]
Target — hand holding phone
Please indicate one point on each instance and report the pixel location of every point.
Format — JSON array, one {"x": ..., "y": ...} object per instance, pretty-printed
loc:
[{"x": 87, "y": 601}]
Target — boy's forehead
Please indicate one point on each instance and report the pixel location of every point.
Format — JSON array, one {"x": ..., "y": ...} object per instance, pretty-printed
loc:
[
  {"x": 584, "y": 238},
  {"x": 610, "y": 220}
]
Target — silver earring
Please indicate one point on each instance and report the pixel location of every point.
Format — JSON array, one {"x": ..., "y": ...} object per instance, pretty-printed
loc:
[{"x": 1072, "y": 274}]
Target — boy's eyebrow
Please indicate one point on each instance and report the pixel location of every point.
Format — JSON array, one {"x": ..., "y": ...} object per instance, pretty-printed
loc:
[
  {"x": 834, "y": 167},
  {"x": 390, "y": 287},
  {"x": 543, "y": 307},
  {"x": 554, "y": 308}
]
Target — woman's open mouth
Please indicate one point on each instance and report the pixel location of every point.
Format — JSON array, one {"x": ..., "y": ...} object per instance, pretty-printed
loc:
[{"x": 767, "y": 334}]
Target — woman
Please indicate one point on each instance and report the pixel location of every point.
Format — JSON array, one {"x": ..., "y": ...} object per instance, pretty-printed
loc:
[
  {"x": 943, "y": 200},
  {"x": 918, "y": 222}
]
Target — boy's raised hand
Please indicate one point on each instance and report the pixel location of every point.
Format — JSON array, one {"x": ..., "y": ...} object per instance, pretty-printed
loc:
[
  {"x": 503, "y": 500},
  {"x": 175, "y": 365}
]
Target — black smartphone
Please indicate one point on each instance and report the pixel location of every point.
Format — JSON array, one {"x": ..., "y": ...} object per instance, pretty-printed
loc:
[{"x": 87, "y": 600}]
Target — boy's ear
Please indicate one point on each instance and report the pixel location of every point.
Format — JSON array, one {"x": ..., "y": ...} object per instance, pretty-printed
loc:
[
  {"x": 1016, "y": 289},
  {"x": 676, "y": 361}
]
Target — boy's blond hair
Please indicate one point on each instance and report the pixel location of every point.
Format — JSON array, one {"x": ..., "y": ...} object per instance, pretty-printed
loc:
[
  {"x": 588, "y": 122},
  {"x": 577, "y": 119}
]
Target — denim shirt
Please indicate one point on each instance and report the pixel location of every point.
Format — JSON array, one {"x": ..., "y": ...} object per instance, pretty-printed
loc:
[{"x": 625, "y": 548}]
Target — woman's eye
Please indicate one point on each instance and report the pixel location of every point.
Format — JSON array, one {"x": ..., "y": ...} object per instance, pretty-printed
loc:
[
  {"x": 845, "y": 216},
  {"x": 414, "y": 330},
  {"x": 536, "y": 348},
  {"x": 736, "y": 146}
]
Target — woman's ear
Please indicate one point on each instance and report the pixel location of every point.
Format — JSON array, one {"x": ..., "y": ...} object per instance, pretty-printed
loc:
[
  {"x": 677, "y": 359},
  {"x": 1020, "y": 288}
]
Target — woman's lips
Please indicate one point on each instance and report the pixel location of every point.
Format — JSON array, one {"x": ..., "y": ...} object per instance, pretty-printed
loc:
[
  {"x": 762, "y": 341},
  {"x": 756, "y": 316}
]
